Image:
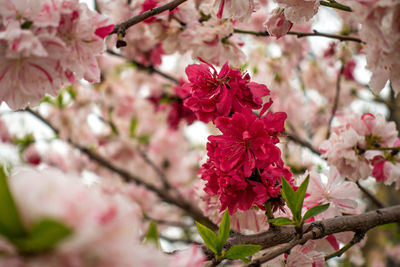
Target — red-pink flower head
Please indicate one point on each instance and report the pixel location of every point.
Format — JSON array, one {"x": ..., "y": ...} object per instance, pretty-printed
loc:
[
  {"x": 246, "y": 142},
  {"x": 236, "y": 191},
  {"x": 245, "y": 166},
  {"x": 220, "y": 94}
]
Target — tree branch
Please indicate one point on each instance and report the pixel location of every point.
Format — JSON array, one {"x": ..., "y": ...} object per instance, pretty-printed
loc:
[
  {"x": 182, "y": 203},
  {"x": 315, "y": 33},
  {"x": 150, "y": 68},
  {"x": 334, "y": 4},
  {"x": 122, "y": 27},
  {"x": 357, "y": 238},
  {"x": 336, "y": 101},
  {"x": 371, "y": 197},
  {"x": 354, "y": 223}
]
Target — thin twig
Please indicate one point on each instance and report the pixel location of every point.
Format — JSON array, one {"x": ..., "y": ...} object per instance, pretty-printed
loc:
[
  {"x": 296, "y": 139},
  {"x": 334, "y": 4},
  {"x": 122, "y": 27},
  {"x": 356, "y": 239},
  {"x": 159, "y": 172},
  {"x": 371, "y": 197},
  {"x": 182, "y": 203},
  {"x": 336, "y": 101},
  {"x": 150, "y": 68},
  {"x": 315, "y": 33}
]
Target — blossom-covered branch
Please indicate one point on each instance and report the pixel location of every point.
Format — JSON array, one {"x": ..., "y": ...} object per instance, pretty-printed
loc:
[{"x": 128, "y": 177}]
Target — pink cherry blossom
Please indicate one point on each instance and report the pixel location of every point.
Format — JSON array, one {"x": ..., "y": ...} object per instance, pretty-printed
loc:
[
  {"x": 299, "y": 11},
  {"x": 380, "y": 29},
  {"x": 341, "y": 195},
  {"x": 305, "y": 255},
  {"x": 276, "y": 24},
  {"x": 234, "y": 9},
  {"x": 45, "y": 45}
]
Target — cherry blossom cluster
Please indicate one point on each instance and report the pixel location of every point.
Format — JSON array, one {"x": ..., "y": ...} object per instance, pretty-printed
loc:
[
  {"x": 244, "y": 165},
  {"x": 364, "y": 145},
  {"x": 45, "y": 45},
  {"x": 381, "y": 30}
]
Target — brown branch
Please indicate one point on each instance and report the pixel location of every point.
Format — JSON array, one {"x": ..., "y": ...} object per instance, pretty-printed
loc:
[
  {"x": 296, "y": 139},
  {"x": 182, "y": 203},
  {"x": 336, "y": 101},
  {"x": 354, "y": 223},
  {"x": 150, "y": 68},
  {"x": 122, "y": 27},
  {"x": 370, "y": 196},
  {"x": 315, "y": 33},
  {"x": 356, "y": 239}
]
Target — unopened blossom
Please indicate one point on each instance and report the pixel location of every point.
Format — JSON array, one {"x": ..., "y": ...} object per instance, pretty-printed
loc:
[
  {"x": 299, "y": 11},
  {"x": 45, "y": 45},
  {"x": 216, "y": 94},
  {"x": 276, "y": 24},
  {"x": 234, "y": 9},
  {"x": 380, "y": 29}
]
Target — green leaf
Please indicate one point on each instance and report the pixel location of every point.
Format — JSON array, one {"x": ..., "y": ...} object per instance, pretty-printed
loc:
[
  {"x": 289, "y": 195},
  {"x": 27, "y": 24},
  {"x": 152, "y": 234},
  {"x": 242, "y": 252},
  {"x": 209, "y": 237},
  {"x": 10, "y": 221},
  {"x": 315, "y": 211},
  {"x": 223, "y": 231},
  {"x": 281, "y": 221},
  {"x": 44, "y": 236},
  {"x": 300, "y": 194},
  {"x": 133, "y": 126}
]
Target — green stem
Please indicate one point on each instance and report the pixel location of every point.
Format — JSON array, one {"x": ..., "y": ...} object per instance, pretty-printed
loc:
[
  {"x": 334, "y": 4},
  {"x": 357, "y": 238},
  {"x": 268, "y": 210}
]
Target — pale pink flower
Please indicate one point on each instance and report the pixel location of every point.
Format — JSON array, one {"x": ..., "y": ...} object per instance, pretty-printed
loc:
[
  {"x": 234, "y": 9},
  {"x": 105, "y": 226},
  {"x": 380, "y": 29},
  {"x": 340, "y": 194},
  {"x": 299, "y": 11},
  {"x": 305, "y": 256},
  {"x": 276, "y": 24},
  {"x": 190, "y": 257}
]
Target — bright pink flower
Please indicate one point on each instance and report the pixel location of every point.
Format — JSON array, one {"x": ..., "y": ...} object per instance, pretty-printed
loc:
[
  {"x": 245, "y": 143},
  {"x": 219, "y": 94},
  {"x": 276, "y": 24},
  {"x": 245, "y": 166},
  {"x": 348, "y": 70}
]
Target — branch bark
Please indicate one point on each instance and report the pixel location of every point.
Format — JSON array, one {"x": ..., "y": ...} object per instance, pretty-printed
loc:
[
  {"x": 315, "y": 33},
  {"x": 354, "y": 223},
  {"x": 122, "y": 27}
]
